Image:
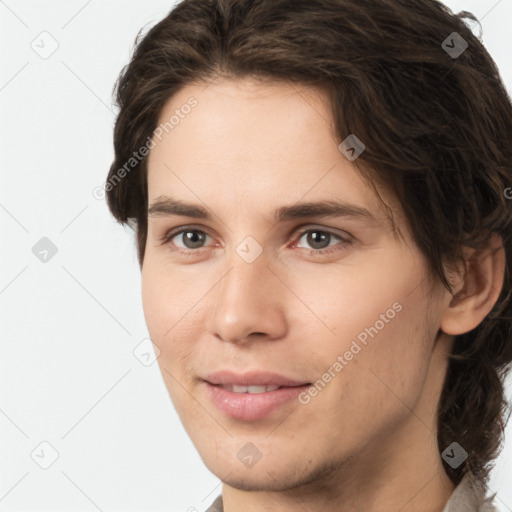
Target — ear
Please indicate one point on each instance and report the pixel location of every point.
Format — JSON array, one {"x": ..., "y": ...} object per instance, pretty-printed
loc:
[{"x": 476, "y": 288}]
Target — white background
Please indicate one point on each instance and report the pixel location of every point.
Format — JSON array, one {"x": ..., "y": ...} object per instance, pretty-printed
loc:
[{"x": 69, "y": 326}]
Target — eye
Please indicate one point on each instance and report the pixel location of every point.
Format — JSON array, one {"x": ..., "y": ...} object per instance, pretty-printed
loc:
[
  {"x": 190, "y": 238},
  {"x": 319, "y": 240}
]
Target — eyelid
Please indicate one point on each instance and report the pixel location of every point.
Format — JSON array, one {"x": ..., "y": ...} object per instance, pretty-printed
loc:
[
  {"x": 344, "y": 235},
  {"x": 171, "y": 233}
]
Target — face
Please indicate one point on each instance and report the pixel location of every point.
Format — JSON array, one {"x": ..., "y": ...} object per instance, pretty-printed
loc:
[{"x": 241, "y": 277}]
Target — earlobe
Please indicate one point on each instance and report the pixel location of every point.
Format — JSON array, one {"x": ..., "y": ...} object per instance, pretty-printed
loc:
[{"x": 477, "y": 289}]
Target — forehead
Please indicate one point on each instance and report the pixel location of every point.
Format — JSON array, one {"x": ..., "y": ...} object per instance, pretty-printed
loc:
[
  {"x": 241, "y": 119},
  {"x": 252, "y": 142}
]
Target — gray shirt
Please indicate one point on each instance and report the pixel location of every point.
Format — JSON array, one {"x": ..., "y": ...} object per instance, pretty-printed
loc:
[{"x": 468, "y": 496}]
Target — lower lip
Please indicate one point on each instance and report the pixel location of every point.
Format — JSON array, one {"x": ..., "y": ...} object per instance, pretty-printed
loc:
[{"x": 252, "y": 406}]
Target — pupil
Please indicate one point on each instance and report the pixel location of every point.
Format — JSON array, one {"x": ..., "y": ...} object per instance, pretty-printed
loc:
[{"x": 322, "y": 238}]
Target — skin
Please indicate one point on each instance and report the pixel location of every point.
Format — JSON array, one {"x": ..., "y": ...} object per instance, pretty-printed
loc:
[{"x": 367, "y": 441}]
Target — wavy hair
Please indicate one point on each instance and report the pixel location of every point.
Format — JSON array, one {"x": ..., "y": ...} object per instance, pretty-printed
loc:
[{"x": 437, "y": 129}]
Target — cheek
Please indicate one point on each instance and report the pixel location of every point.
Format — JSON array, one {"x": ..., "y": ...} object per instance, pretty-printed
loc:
[
  {"x": 377, "y": 324},
  {"x": 167, "y": 296},
  {"x": 171, "y": 302},
  {"x": 153, "y": 298},
  {"x": 389, "y": 372},
  {"x": 345, "y": 302},
  {"x": 374, "y": 391},
  {"x": 161, "y": 307}
]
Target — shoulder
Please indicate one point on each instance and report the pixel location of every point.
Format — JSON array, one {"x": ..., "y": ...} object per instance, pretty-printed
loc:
[
  {"x": 217, "y": 505},
  {"x": 470, "y": 496}
]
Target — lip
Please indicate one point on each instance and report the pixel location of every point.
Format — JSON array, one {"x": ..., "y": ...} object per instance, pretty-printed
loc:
[
  {"x": 253, "y": 378},
  {"x": 252, "y": 406}
]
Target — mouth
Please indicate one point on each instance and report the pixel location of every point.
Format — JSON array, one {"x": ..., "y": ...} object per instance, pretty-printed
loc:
[
  {"x": 253, "y": 390},
  {"x": 252, "y": 396},
  {"x": 253, "y": 379}
]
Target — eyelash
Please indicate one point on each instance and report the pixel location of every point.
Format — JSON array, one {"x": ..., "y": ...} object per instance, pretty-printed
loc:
[{"x": 166, "y": 239}]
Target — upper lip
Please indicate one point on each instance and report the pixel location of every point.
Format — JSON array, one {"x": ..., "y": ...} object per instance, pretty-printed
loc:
[{"x": 253, "y": 378}]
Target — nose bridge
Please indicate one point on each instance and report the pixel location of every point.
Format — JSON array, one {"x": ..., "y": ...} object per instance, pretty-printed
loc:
[{"x": 248, "y": 301}]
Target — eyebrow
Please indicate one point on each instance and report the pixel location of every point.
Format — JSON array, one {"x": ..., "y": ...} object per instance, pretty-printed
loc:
[{"x": 165, "y": 206}]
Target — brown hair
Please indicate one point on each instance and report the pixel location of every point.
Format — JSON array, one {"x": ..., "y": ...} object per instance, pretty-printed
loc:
[{"x": 437, "y": 129}]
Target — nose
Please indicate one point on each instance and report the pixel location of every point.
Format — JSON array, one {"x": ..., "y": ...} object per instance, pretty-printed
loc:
[{"x": 248, "y": 303}]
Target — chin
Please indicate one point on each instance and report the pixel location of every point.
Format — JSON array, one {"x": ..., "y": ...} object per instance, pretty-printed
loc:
[{"x": 262, "y": 481}]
